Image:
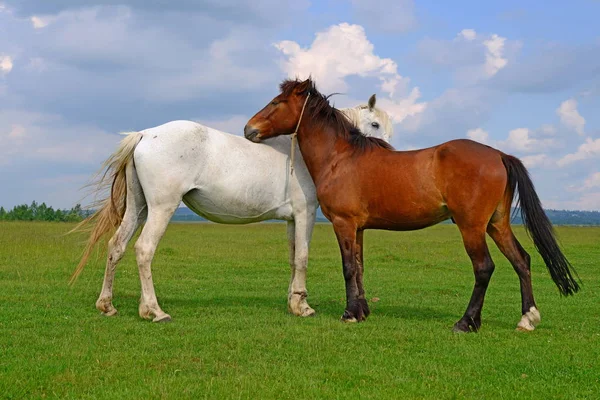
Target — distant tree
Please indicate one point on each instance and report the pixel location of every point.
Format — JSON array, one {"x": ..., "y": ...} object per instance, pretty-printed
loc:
[
  {"x": 59, "y": 216},
  {"x": 41, "y": 212}
]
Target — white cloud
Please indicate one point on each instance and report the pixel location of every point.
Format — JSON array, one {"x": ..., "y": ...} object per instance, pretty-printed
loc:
[
  {"x": 474, "y": 57},
  {"x": 589, "y": 149},
  {"x": 336, "y": 53},
  {"x": 494, "y": 56},
  {"x": 17, "y": 131},
  {"x": 593, "y": 181},
  {"x": 586, "y": 202},
  {"x": 400, "y": 109},
  {"x": 156, "y": 62},
  {"x": 547, "y": 130},
  {"x": 343, "y": 50},
  {"x": 589, "y": 201},
  {"x": 570, "y": 117},
  {"x": 478, "y": 135},
  {"x": 535, "y": 160},
  {"x": 522, "y": 140},
  {"x": 41, "y": 21},
  {"x": 6, "y": 64},
  {"x": 37, "y": 137},
  {"x": 468, "y": 34}
]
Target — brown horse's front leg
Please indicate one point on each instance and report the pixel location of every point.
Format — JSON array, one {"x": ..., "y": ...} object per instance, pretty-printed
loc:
[
  {"x": 356, "y": 306},
  {"x": 359, "y": 273}
]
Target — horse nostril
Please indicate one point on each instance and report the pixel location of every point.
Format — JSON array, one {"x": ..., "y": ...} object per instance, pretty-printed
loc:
[{"x": 251, "y": 133}]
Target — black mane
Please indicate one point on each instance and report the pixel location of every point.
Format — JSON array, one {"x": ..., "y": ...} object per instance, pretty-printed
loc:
[{"x": 320, "y": 111}]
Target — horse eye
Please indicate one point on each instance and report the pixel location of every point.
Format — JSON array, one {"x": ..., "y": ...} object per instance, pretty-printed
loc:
[
  {"x": 274, "y": 102},
  {"x": 375, "y": 125}
]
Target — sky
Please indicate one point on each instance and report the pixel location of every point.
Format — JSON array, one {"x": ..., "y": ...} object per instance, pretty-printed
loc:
[{"x": 523, "y": 77}]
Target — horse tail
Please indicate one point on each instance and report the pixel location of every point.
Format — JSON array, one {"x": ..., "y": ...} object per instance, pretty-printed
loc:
[
  {"x": 109, "y": 211},
  {"x": 538, "y": 226}
]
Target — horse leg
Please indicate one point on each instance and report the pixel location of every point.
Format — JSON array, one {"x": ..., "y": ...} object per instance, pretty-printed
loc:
[
  {"x": 508, "y": 244},
  {"x": 356, "y": 309},
  {"x": 156, "y": 225},
  {"x": 360, "y": 271},
  {"x": 483, "y": 267},
  {"x": 299, "y": 234},
  {"x": 291, "y": 235},
  {"x": 134, "y": 213},
  {"x": 116, "y": 249}
]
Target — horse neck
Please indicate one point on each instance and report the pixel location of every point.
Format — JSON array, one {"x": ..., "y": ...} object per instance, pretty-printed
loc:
[{"x": 318, "y": 144}]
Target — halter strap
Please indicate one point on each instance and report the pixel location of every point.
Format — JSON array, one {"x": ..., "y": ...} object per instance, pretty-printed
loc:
[{"x": 293, "y": 152}]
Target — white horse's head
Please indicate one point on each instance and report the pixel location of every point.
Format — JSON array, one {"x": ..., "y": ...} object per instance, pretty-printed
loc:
[{"x": 371, "y": 120}]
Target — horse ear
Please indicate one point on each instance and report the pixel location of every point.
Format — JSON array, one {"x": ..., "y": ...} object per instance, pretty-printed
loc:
[
  {"x": 303, "y": 86},
  {"x": 372, "y": 101}
]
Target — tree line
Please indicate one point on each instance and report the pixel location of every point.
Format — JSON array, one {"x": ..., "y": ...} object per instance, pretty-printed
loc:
[{"x": 42, "y": 212}]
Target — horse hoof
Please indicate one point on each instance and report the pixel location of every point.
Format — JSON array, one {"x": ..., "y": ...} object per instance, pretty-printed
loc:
[
  {"x": 162, "y": 318},
  {"x": 529, "y": 320},
  {"x": 109, "y": 313},
  {"x": 349, "y": 318},
  {"x": 461, "y": 327},
  {"x": 308, "y": 312},
  {"x": 524, "y": 328}
]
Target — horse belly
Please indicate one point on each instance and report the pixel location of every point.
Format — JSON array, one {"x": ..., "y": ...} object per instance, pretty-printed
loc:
[
  {"x": 235, "y": 209},
  {"x": 407, "y": 222},
  {"x": 408, "y": 213}
]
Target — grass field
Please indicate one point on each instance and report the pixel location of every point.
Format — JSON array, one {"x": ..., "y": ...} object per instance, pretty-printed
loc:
[{"x": 231, "y": 336}]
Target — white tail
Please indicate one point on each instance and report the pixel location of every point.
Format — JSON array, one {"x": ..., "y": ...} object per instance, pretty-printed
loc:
[{"x": 110, "y": 210}]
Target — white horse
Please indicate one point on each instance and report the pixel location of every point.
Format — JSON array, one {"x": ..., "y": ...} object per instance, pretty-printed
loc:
[{"x": 222, "y": 177}]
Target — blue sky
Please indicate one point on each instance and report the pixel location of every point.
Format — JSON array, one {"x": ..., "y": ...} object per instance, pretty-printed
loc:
[{"x": 523, "y": 77}]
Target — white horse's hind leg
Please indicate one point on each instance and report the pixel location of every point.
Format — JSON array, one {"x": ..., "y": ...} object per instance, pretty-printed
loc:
[
  {"x": 116, "y": 249},
  {"x": 134, "y": 213},
  {"x": 299, "y": 232},
  {"x": 158, "y": 219}
]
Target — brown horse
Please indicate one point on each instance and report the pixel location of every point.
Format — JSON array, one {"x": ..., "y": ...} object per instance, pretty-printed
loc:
[{"x": 362, "y": 183}]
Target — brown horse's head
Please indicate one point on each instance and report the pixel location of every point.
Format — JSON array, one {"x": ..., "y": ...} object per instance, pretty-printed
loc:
[{"x": 281, "y": 115}]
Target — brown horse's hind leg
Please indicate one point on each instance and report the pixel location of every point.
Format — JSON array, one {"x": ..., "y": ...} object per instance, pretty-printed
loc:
[
  {"x": 508, "y": 244},
  {"x": 483, "y": 267},
  {"x": 356, "y": 305}
]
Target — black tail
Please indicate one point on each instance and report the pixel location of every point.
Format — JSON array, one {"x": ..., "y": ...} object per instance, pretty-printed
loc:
[{"x": 539, "y": 227}]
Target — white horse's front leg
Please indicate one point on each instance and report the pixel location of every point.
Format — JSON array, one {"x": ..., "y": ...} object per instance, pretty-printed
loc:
[{"x": 299, "y": 235}]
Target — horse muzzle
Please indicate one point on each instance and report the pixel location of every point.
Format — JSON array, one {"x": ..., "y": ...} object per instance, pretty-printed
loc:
[{"x": 252, "y": 134}]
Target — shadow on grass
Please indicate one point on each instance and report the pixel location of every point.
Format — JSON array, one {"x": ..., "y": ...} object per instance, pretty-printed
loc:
[
  {"x": 327, "y": 308},
  {"x": 225, "y": 301}
]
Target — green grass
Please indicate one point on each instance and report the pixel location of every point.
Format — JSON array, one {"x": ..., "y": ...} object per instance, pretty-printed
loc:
[{"x": 231, "y": 336}]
